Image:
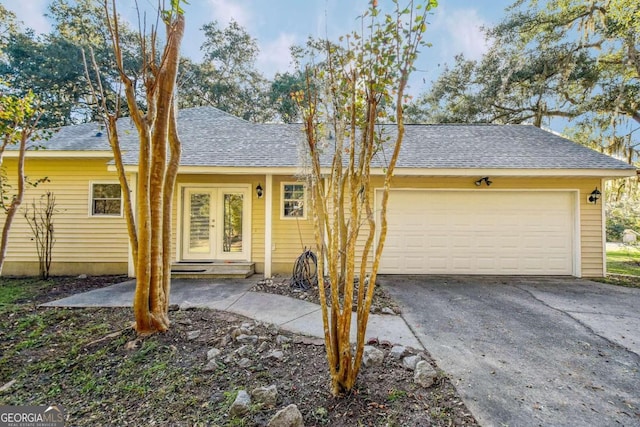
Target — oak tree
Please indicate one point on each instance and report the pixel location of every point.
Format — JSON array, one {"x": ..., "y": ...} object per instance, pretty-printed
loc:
[
  {"x": 227, "y": 77},
  {"x": 569, "y": 59}
]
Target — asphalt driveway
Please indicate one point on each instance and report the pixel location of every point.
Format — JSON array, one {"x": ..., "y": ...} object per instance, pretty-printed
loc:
[{"x": 531, "y": 351}]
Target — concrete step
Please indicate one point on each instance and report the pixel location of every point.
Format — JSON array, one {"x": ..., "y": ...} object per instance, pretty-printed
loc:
[{"x": 214, "y": 269}]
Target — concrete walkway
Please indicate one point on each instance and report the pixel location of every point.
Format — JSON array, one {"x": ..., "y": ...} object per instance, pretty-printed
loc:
[{"x": 233, "y": 295}]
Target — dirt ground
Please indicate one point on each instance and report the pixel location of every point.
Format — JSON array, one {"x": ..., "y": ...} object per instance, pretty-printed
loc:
[
  {"x": 282, "y": 286},
  {"x": 91, "y": 362}
]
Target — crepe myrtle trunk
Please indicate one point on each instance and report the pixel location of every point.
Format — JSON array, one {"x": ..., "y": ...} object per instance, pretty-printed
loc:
[
  {"x": 354, "y": 88},
  {"x": 155, "y": 193},
  {"x": 16, "y": 202},
  {"x": 158, "y": 160}
]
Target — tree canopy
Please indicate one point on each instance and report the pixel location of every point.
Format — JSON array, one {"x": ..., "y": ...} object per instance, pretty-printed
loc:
[
  {"x": 558, "y": 59},
  {"x": 50, "y": 64},
  {"x": 227, "y": 78}
]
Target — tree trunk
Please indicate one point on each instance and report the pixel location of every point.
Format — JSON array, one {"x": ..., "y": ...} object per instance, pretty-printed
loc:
[
  {"x": 114, "y": 142},
  {"x": 371, "y": 74},
  {"x": 155, "y": 190},
  {"x": 169, "y": 187},
  {"x": 17, "y": 200},
  {"x": 158, "y": 160}
]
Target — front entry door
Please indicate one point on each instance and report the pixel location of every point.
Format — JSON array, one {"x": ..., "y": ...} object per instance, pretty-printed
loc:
[{"x": 215, "y": 224}]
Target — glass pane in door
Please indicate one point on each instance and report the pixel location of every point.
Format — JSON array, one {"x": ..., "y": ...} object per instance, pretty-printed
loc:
[
  {"x": 232, "y": 210},
  {"x": 199, "y": 220}
]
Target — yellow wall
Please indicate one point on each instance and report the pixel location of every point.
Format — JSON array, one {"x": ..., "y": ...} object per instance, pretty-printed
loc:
[
  {"x": 290, "y": 235},
  {"x": 84, "y": 244}
]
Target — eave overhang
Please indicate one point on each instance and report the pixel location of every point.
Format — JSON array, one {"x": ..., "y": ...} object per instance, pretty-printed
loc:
[{"x": 425, "y": 172}]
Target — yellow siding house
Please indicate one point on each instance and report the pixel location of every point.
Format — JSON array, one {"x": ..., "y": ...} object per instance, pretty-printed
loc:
[{"x": 466, "y": 199}]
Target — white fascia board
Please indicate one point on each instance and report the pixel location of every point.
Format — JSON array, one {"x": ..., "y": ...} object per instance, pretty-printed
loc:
[
  {"x": 226, "y": 170},
  {"x": 596, "y": 173}
]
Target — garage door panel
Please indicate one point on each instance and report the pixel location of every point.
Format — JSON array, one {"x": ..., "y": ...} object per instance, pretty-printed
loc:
[
  {"x": 449, "y": 232},
  {"x": 533, "y": 262}
]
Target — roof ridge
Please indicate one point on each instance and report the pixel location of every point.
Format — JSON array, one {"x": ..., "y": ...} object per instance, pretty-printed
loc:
[{"x": 211, "y": 107}]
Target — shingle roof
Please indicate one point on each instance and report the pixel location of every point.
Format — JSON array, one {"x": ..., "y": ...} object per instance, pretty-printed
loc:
[
  {"x": 211, "y": 137},
  {"x": 496, "y": 147}
]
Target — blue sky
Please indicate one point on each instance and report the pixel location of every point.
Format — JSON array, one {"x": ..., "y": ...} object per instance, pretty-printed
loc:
[{"x": 278, "y": 24}]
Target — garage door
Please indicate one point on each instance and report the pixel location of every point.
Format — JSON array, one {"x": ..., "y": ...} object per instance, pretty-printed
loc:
[{"x": 479, "y": 232}]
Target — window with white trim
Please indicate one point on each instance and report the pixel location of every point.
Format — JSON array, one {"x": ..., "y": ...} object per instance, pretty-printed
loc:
[
  {"x": 106, "y": 199},
  {"x": 293, "y": 200}
]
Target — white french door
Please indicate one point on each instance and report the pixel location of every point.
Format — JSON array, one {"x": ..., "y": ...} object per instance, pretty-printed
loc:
[{"x": 215, "y": 223}]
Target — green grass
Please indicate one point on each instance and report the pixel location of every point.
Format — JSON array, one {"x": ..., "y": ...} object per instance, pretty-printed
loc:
[
  {"x": 623, "y": 267},
  {"x": 13, "y": 290},
  {"x": 624, "y": 260}
]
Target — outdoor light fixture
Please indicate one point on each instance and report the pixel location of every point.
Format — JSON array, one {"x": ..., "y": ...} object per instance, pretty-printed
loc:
[
  {"x": 594, "y": 196},
  {"x": 486, "y": 181},
  {"x": 259, "y": 191}
]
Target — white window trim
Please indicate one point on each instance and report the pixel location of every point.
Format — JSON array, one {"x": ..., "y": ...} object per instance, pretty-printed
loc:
[
  {"x": 304, "y": 201},
  {"x": 90, "y": 207}
]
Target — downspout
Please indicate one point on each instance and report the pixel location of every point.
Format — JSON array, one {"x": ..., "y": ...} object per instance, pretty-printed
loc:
[
  {"x": 268, "y": 225},
  {"x": 603, "y": 222}
]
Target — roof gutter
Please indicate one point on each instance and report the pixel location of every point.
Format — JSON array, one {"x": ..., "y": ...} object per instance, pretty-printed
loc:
[
  {"x": 513, "y": 172},
  {"x": 442, "y": 172}
]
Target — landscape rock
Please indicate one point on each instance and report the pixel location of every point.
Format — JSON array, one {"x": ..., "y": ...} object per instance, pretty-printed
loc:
[
  {"x": 263, "y": 346},
  {"x": 398, "y": 352},
  {"x": 410, "y": 362},
  {"x": 281, "y": 339},
  {"x": 275, "y": 355},
  {"x": 273, "y": 329},
  {"x": 7, "y": 386},
  {"x": 309, "y": 341},
  {"x": 287, "y": 417},
  {"x": 244, "y": 338},
  {"x": 267, "y": 396},
  {"x": 213, "y": 353},
  {"x": 372, "y": 356},
  {"x": 244, "y": 362},
  {"x": 82, "y": 276},
  {"x": 241, "y": 405},
  {"x": 425, "y": 376},
  {"x": 387, "y": 310},
  {"x": 211, "y": 366},
  {"x": 244, "y": 350},
  {"x": 192, "y": 335}
]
